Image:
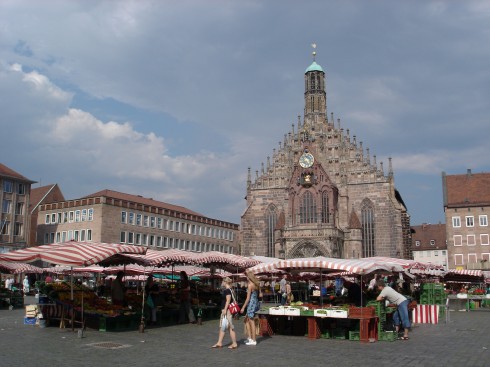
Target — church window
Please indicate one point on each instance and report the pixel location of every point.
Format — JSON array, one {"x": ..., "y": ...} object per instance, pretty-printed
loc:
[
  {"x": 271, "y": 218},
  {"x": 307, "y": 210},
  {"x": 367, "y": 222},
  {"x": 325, "y": 208}
]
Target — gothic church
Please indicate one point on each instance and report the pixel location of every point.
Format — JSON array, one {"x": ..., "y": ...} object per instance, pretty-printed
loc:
[{"x": 321, "y": 194}]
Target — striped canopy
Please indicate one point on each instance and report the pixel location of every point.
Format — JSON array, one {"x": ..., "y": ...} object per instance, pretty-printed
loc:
[
  {"x": 412, "y": 266},
  {"x": 165, "y": 257},
  {"x": 18, "y": 268},
  {"x": 320, "y": 263},
  {"x": 216, "y": 258},
  {"x": 71, "y": 253}
]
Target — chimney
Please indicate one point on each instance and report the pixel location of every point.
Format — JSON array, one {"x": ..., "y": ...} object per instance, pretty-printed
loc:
[{"x": 468, "y": 172}]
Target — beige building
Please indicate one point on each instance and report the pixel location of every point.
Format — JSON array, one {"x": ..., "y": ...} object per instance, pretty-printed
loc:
[
  {"x": 322, "y": 193},
  {"x": 114, "y": 217},
  {"x": 15, "y": 192},
  {"x": 467, "y": 208},
  {"x": 429, "y": 244}
]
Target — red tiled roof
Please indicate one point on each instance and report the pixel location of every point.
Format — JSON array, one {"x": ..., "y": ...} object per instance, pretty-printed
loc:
[
  {"x": 427, "y": 232},
  {"x": 141, "y": 200},
  {"x": 8, "y": 172},
  {"x": 38, "y": 194},
  {"x": 468, "y": 189}
]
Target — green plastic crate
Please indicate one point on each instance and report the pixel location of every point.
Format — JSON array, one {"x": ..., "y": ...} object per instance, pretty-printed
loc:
[
  {"x": 387, "y": 336},
  {"x": 354, "y": 335}
]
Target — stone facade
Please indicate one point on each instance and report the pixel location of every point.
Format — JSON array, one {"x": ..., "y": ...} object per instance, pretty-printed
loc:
[
  {"x": 467, "y": 209},
  {"x": 321, "y": 193},
  {"x": 114, "y": 217}
]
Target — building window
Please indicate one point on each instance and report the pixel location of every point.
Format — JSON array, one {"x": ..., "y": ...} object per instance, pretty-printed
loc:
[
  {"x": 60, "y": 218},
  {"x": 82, "y": 235},
  {"x": 325, "y": 208},
  {"x": 159, "y": 223},
  {"x": 130, "y": 237},
  {"x": 152, "y": 222},
  {"x": 70, "y": 235},
  {"x": 63, "y": 236},
  {"x": 458, "y": 259},
  {"x": 152, "y": 240},
  {"x": 84, "y": 215},
  {"x": 271, "y": 220},
  {"x": 21, "y": 189},
  {"x": 171, "y": 225},
  {"x": 65, "y": 217},
  {"x": 432, "y": 242},
  {"x": 144, "y": 241},
  {"x": 436, "y": 253},
  {"x": 46, "y": 238},
  {"x": 76, "y": 235},
  {"x": 171, "y": 242},
  {"x": 483, "y": 219},
  {"x": 77, "y": 215},
  {"x": 7, "y": 186},
  {"x": 58, "y": 237},
  {"x": 51, "y": 237},
  {"x": 368, "y": 229},
  {"x": 19, "y": 209},
  {"x": 165, "y": 242},
  {"x": 417, "y": 243},
  {"x": 485, "y": 257},
  {"x": 138, "y": 219},
  {"x": 146, "y": 221},
  {"x": 456, "y": 222},
  {"x": 470, "y": 221},
  {"x": 138, "y": 239},
  {"x": 72, "y": 216},
  {"x": 123, "y": 217},
  {"x": 53, "y": 218},
  {"x": 443, "y": 252},
  {"x": 18, "y": 229},
  {"x": 123, "y": 237},
  {"x": 7, "y": 204},
  {"x": 131, "y": 218},
  {"x": 472, "y": 258},
  {"x": 89, "y": 235},
  {"x": 177, "y": 226},
  {"x": 458, "y": 240},
  {"x": 307, "y": 209},
  {"x": 470, "y": 240},
  {"x": 47, "y": 219},
  {"x": 159, "y": 241},
  {"x": 484, "y": 239}
]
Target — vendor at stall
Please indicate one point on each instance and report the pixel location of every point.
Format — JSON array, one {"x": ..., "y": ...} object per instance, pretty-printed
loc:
[
  {"x": 354, "y": 293},
  {"x": 401, "y": 302},
  {"x": 118, "y": 290}
]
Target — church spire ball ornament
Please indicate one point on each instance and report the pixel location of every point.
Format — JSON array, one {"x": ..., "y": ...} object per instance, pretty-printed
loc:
[{"x": 314, "y": 51}]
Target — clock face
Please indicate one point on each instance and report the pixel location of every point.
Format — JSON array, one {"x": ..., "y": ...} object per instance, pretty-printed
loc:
[{"x": 306, "y": 160}]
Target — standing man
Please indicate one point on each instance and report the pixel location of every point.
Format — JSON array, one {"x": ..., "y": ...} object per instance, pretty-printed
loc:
[
  {"x": 282, "y": 289},
  {"x": 402, "y": 304}
]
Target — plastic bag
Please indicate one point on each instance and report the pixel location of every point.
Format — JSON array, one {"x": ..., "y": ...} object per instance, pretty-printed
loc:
[{"x": 224, "y": 323}]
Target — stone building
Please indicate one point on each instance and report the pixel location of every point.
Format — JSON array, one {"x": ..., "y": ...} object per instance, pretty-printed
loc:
[
  {"x": 429, "y": 244},
  {"x": 15, "y": 191},
  {"x": 467, "y": 207},
  {"x": 116, "y": 217},
  {"x": 322, "y": 193}
]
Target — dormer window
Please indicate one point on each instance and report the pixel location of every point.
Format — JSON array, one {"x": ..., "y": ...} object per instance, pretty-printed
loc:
[
  {"x": 432, "y": 242},
  {"x": 417, "y": 243}
]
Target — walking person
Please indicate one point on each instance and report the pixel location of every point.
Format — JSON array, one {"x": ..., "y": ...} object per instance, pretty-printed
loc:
[
  {"x": 226, "y": 319},
  {"x": 401, "y": 316},
  {"x": 252, "y": 306},
  {"x": 185, "y": 311},
  {"x": 25, "y": 284}
]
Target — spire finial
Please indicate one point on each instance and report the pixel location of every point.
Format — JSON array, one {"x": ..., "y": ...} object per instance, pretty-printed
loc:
[{"x": 314, "y": 51}]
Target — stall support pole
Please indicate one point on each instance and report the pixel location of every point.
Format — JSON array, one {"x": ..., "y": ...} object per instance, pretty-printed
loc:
[{"x": 72, "y": 301}]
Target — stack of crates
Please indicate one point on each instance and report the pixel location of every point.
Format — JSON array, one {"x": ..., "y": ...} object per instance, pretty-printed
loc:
[
  {"x": 432, "y": 294},
  {"x": 380, "y": 312}
]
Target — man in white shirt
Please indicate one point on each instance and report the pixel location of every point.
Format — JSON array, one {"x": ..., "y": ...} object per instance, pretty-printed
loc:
[{"x": 402, "y": 305}]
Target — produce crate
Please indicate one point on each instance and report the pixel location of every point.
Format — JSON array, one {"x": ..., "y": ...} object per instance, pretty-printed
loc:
[
  {"x": 29, "y": 321},
  {"x": 321, "y": 312},
  {"x": 292, "y": 311},
  {"x": 307, "y": 313},
  {"x": 362, "y": 311},
  {"x": 326, "y": 335},
  {"x": 387, "y": 336},
  {"x": 338, "y": 333},
  {"x": 276, "y": 311},
  {"x": 354, "y": 335},
  {"x": 340, "y": 314}
]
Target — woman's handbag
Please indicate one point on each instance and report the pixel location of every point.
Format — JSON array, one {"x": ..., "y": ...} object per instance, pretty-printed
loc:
[{"x": 233, "y": 307}]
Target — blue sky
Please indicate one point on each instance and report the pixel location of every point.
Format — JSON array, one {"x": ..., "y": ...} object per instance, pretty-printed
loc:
[{"x": 175, "y": 100}]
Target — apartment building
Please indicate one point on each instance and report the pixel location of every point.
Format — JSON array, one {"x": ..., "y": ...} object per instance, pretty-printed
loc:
[
  {"x": 467, "y": 208},
  {"x": 115, "y": 217},
  {"x": 15, "y": 192},
  {"x": 429, "y": 244}
]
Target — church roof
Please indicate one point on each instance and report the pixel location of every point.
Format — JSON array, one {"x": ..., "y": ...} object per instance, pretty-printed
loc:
[
  {"x": 314, "y": 67},
  {"x": 354, "y": 222}
]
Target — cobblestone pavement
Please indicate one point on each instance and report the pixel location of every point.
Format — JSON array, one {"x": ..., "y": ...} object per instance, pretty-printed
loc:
[{"x": 464, "y": 341}]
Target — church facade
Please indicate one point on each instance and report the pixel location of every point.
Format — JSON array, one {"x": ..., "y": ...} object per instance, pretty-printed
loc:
[{"x": 321, "y": 194}]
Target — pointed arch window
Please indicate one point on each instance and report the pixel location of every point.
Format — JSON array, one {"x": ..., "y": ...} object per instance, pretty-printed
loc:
[
  {"x": 368, "y": 229},
  {"x": 307, "y": 210},
  {"x": 325, "y": 208},
  {"x": 271, "y": 221}
]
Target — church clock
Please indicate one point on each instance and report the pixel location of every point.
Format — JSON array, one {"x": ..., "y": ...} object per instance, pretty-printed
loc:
[{"x": 306, "y": 160}]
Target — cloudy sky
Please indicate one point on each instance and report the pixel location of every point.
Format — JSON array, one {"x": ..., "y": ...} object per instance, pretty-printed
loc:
[{"x": 174, "y": 100}]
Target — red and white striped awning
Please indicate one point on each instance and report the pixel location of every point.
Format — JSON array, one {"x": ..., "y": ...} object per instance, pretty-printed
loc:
[
  {"x": 412, "y": 266},
  {"x": 216, "y": 257},
  {"x": 473, "y": 273},
  {"x": 166, "y": 257},
  {"x": 356, "y": 266},
  {"x": 71, "y": 253},
  {"x": 18, "y": 268}
]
